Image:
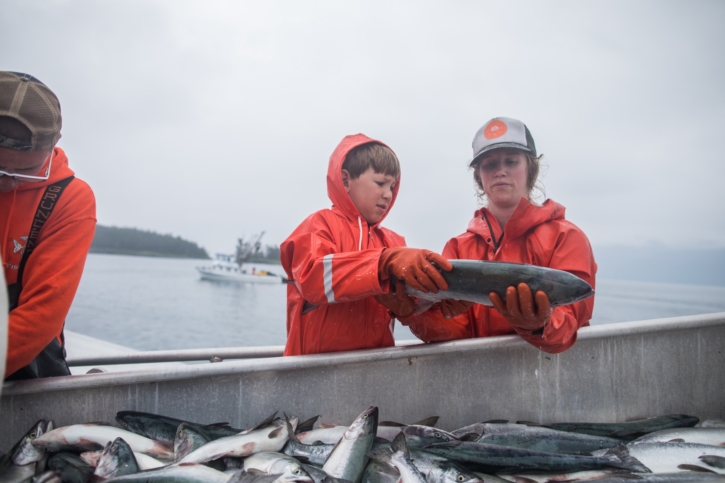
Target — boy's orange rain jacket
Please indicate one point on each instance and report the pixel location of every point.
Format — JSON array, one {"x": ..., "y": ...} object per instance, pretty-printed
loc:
[
  {"x": 537, "y": 235},
  {"x": 332, "y": 257},
  {"x": 53, "y": 271}
]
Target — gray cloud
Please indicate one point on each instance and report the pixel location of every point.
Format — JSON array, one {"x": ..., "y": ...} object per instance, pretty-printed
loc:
[{"x": 213, "y": 120}]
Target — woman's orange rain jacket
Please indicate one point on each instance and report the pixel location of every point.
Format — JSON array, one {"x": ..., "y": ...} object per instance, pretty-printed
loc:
[
  {"x": 537, "y": 235},
  {"x": 54, "y": 269},
  {"x": 332, "y": 257}
]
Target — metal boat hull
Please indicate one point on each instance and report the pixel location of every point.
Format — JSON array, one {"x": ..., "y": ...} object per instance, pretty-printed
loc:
[{"x": 614, "y": 372}]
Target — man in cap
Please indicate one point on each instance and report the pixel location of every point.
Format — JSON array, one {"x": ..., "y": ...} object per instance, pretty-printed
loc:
[{"x": 47, "y": 221}]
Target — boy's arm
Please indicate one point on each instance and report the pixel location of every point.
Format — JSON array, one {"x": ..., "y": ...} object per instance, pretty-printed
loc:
[{"x": 325, "y": 276}]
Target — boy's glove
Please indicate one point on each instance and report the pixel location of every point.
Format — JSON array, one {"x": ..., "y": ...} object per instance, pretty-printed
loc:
[
  {"x": 519, "y": 308},
  {"x": 397, "y": 301},
  {"x": 451, "y": 308},
  {"x": 413, "y": 266}
]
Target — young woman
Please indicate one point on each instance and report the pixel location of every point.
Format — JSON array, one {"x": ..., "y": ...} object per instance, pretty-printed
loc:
[{"x": 512, "y": 228}]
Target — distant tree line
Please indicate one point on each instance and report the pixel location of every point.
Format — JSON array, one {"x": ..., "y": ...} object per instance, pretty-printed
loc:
[{"x": 131, "y": 241}]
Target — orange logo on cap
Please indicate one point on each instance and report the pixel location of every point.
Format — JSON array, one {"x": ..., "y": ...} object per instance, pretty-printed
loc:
[{"x": 495, "y": 129}]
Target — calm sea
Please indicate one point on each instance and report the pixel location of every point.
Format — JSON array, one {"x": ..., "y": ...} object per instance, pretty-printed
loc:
[{"x": 158, "y": 303}]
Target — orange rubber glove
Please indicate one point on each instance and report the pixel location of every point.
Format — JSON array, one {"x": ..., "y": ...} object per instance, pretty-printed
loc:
[
  {"x": 413, "y": 266},
  {"x": 519, "y": 309},
  {"x": 397, "y": 301},
  {"x": 451, "y": 308}
]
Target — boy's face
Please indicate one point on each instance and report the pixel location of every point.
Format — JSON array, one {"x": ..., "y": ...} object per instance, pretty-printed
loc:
[{"x": 371, "y": 193}]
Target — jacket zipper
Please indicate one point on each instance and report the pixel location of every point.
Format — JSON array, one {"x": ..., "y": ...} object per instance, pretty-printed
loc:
[{"x": 496, "y": 243}]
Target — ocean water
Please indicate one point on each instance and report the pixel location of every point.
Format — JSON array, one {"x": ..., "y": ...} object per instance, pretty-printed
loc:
[{"x": 158, "y": 303}]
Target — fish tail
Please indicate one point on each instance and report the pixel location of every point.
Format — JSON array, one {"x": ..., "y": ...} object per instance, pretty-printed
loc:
[
  {"x": 382, "y": 454},
  {"x": 619, "y": 458}
]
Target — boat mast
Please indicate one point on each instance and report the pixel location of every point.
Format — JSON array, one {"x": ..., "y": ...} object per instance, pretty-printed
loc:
[{"x": 245, "y": 249}]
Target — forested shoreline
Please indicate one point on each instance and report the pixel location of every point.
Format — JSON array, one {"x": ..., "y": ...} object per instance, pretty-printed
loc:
[{"x": 132, "y": 241}]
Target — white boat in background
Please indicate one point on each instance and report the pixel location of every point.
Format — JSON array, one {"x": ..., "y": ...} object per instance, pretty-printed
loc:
[
  {"x": 225, "y": 269},
  {"x": 230, "y": 268}
]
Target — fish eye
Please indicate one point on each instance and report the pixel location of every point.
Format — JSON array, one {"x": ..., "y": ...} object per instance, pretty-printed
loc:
[
  {"x": 460, "y": 478},
  {"x": 297, "y": 471},
  {"x": 437, "y": 435},
  {"x": 32, "y": 434}
]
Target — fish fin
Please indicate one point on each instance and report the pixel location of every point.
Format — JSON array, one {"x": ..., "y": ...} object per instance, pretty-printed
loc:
[
  {"x": 255, "y": 471},
  {"x": 381, "y": 454},
  {"x": 714, "y": 461},
  {"x": 314, "y": 443},
  {"x": 328, "y": 425},
  {"x": 379, "y": 440},
  {"x": 302, "y": 459},
  {"x": 699, "y": 469},
  {"x": 392, "y": 423},
  {"x": 422, "y": 305},
  {"x": 523, "y": 479},
  {"x": 505, "y": 421},
  {"x": 308, "y": 307},
  {"x": 291, "y": 431},
  {"x": 620, "y": 458},
  {"x": 332, "y": 479},
  {"x": 399, "y": 444},
  {"x": 274, "y": 433},
  {"x": 429, "y": 421},
  {"x": 627, "y": 434},
  {"x": 266, "y": 422},
  {"x": 526, "y": 423},
  {"x": 676, "y": 440},
  {"x": 217, "y": 425},
  {"x": 469, "y": 437},
  {"x": 307, "y": 425}
]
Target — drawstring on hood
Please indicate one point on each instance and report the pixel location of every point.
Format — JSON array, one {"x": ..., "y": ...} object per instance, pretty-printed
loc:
[
  {"x": 336, "y": 191},
  {"x": 359, "y": 242}
]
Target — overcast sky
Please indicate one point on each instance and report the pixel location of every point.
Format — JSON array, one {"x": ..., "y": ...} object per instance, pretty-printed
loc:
[{"x": 213, "y": 120}]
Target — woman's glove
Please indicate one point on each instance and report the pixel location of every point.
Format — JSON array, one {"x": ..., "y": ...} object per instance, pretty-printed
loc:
[
  {"x": 519, "y": 309},
  {"x": 397, "y": 301},
  {"x": 413, "y": 266},
  {"x": 451, "y": 308}
]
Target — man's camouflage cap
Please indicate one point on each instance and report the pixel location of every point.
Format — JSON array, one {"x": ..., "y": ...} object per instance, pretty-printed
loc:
[{"x": 29, "y": 101}]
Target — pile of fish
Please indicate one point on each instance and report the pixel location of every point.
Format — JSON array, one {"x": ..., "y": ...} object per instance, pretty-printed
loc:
[{"x": 153, "y": 448}]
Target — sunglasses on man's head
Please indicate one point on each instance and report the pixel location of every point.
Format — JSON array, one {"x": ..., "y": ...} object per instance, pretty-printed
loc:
[{"x": 29, "y": 178}]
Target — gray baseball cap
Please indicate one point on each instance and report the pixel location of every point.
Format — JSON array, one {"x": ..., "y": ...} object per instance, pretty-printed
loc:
[
  {"x": 29, "y": 101},
  {"x": 502, "y": 132}
]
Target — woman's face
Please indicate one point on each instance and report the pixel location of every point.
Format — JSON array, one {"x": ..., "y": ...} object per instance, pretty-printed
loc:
[{"x": 503, "y": 173}]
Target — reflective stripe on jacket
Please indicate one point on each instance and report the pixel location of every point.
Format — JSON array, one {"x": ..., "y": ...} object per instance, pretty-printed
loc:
[
  {"x": 332, "y": 257},
  {"x": 537, "y": 235}
]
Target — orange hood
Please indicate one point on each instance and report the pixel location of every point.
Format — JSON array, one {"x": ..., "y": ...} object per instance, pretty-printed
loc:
[{"x": 336, "y": 190}]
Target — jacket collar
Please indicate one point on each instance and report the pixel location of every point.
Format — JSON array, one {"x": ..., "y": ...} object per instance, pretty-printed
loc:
[{"x": 526, "y": 216}]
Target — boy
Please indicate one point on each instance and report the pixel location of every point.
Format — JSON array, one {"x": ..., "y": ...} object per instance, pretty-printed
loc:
[{"x": 341, "y": 260}]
